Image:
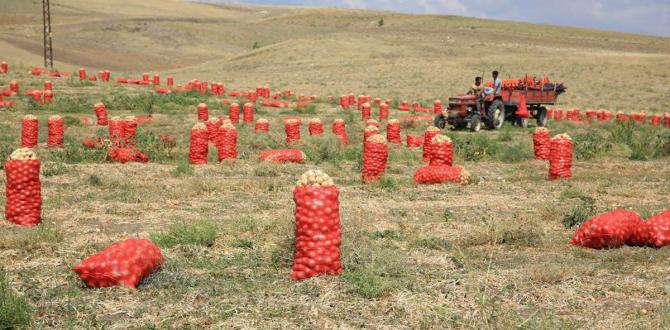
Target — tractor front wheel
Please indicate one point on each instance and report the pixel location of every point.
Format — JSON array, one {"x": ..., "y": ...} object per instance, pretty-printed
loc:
[
  {"x": 496, "y": 114},
  {"x": 475, "y": 123},
  {"x": 440, "y": 121}
]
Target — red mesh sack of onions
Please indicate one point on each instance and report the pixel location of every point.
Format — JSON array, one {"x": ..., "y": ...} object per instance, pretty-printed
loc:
[
  {"x": 431, "y": 131},
  {"x": 315, "y": 127},
  {"x": 372, "y": 122},
  {"x": 443, "y": 151},
  {"x": 283, "y": 156},
  {"x": 560, "y": 157},
  {"x": 55, "y": 132},
  {"x": 227, "y": 141},
  {"x": 23, "y": 190},
  {"x": 116, "y": 130},
  {"x": 344, "y": 102},
  {"x": 375, "y": 158},
  {"x": 29, "y": 129},
  {"x": 340, "y": 130},
  {"x": 366, "y": 112},
  {"x": 100, "y": 113},
  {"x": 414, "y": 141},
  {"x": 93, "y": 143},
  {"x": 608, "y": 230},
  {"x": 125, "y": 155},
  {"x": 292, "y": 129},
  {"x": 167, "y": 141},
  {"x": 129, "y": 131},
  {"x": 199, "y": 145},
  {"x": 370, "y": 131},
  {"x": 262, "y": 126},
  {"x": 317, "y": 226},
  {"x": 213, "y": 124},
  {"x": 541, "y": 143},
  {"x": 203, "y": 112},
  {"x": 248, "y": 114},
  {"x": 437, "y": 107},
  {"x": 654, "y": 232},
  {"x": 620, "y": 116},
  {"x": 558, "y": 114},
  {"x": 393, "y": 132},
  {"x": 234, "y": 113},
  {"x": 383, "y": 111},
  {"x": 440, "y": 174},
  {"x": 125, "y": 263}
]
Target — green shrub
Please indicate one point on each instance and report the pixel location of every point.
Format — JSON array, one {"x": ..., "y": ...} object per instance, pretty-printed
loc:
[
  {"x": 369, "y": 285},
  {"x": 68, "y": 104},
  {"x": 391, "y": 234},
  {"x": 588, "y": 146},
  {"x": 324, "y": 149},
  {"x": 29, "y": 239},
  {"x": 182, "y": 169},
  {"x": 14, "y": 309},
  {"x": 514, "y": 153},
  {"x": 202, "y": 233},
  {"x": 53, "y": 169},
  {"x": 434, "y": 243},
  {"x": 475, "y": 147},
  {"x": 580, "y": 213}
]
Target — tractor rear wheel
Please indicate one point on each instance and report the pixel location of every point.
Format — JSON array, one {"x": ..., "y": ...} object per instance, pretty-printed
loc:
[
  {"x": 541, "y": 116},
  {"x": 475, "y": 123},
  {"x": 440, "y": 121},
  {"x": 496, "y": 114}
]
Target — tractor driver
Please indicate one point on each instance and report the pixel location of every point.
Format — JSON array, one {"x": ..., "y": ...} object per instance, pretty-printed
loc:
[
  {"x": 477, "y": 88},
  {"x": 496, "y": 90}
]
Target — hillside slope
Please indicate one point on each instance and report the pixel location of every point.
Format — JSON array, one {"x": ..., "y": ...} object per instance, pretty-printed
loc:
[{"x": 321, "y": 51}]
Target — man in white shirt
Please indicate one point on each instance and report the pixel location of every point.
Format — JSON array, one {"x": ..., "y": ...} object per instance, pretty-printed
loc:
[
  {"x": 497, "y": 90},
  {"x": 497, "y": 83}
]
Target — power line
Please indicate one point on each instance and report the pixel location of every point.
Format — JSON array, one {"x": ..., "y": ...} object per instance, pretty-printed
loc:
[{"x": 48, "y": 51}]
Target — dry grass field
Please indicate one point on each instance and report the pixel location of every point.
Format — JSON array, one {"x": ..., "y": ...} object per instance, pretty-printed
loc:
[{"x": 492, "y": 254}]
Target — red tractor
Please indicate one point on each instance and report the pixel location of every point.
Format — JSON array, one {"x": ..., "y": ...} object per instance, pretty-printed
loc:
[{"x": 496, "y": 109}]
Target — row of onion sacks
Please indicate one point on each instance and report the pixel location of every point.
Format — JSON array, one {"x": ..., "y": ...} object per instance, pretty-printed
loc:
[
  {"x": 23, "y": 203},
  {"x": 30, "y": 128}
]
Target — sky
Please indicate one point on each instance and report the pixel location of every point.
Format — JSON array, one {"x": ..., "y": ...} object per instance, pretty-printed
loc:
[{"x": 635, "y": 16}]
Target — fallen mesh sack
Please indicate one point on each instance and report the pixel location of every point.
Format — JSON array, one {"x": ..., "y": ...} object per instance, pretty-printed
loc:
[
  {"x": 125, "y": 263},
  {"x": 124, "y": 155},
  {"x": 654, "y": 232},
  {"x": 608, "y": 230},
  {"x": 283, "y": 155}
]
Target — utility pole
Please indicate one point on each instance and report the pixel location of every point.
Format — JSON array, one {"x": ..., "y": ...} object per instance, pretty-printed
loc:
[{"x": 48, "y": 52}]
